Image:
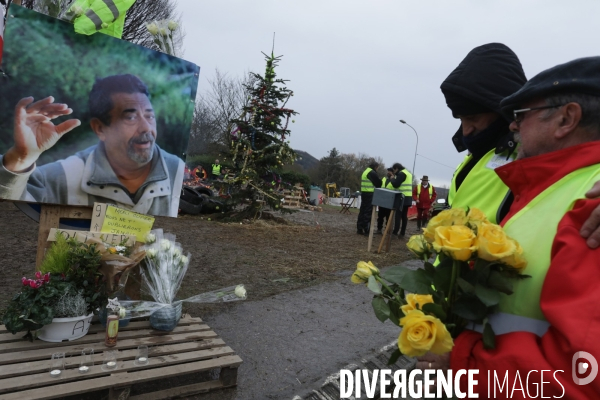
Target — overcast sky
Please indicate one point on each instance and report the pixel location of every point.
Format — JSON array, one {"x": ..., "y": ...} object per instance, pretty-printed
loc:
[{"x": 359, "y": 66}]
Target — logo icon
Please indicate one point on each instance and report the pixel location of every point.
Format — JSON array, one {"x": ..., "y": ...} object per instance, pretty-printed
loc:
[{"x": 579, "y": 366}]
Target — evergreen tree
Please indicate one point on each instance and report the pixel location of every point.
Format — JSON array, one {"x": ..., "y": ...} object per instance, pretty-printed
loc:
[{"x": 259, "y": 143}]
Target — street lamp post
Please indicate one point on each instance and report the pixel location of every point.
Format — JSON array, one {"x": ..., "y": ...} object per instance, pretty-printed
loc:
[{"x": 415, "y": 159}]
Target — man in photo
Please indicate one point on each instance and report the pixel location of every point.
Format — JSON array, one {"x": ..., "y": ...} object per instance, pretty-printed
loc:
[{"x": 125, "y": 168}]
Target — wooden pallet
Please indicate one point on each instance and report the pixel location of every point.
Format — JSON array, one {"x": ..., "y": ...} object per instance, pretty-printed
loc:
[{"x": 191, "y": 348}]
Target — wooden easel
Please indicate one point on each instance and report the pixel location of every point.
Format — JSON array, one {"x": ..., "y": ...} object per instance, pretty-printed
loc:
[
  {"x": 50, "y": 216},
  {"x": 387, "y": 236}
]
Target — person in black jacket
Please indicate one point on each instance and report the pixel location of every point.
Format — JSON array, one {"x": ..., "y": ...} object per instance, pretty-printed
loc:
[{"x": 369, "y": 182}]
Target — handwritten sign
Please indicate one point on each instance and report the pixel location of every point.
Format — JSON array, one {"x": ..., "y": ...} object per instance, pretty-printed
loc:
[
  {"x": 98, "y": 216},
  {"x": 82, "y": 236},
  {"x": 119, "y": 221}
]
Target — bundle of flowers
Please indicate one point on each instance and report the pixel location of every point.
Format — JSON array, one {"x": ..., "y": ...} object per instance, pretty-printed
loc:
[
  {"x": 117, "y": 261},
  {"x": 478, "y": 264},
  {"x": 164, "y": 267}
]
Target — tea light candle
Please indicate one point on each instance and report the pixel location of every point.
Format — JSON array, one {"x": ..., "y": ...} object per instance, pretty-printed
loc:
[
  {"x": 84, "y": 368},
  {"x": 55, "y": 372},
  {"x": 142, "y": 359},
  {"x": 111, "y": 364}
]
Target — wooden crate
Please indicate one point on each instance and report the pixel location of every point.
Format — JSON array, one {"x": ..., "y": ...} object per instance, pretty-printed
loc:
[{"x": 191, "y": 348}]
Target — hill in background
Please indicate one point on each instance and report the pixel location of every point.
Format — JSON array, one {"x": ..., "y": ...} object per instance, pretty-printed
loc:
[{"x": 307, "y": 161}]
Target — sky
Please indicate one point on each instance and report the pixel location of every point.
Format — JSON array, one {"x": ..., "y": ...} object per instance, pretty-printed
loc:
[{"x": 359, "y": 66}]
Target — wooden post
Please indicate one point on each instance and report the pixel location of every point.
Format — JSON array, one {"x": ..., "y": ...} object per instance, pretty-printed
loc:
[
  {"x": 371, "y": 229},
  {"x": 390, "y": 222},
  {"x": 50, "y": 216}
]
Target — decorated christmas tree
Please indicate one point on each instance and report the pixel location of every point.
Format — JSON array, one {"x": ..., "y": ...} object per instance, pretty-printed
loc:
[{"x": 259, "y": 144}]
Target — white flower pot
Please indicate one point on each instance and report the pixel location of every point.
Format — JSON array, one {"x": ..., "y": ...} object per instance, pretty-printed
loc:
[{"x": 65, "y": 328}]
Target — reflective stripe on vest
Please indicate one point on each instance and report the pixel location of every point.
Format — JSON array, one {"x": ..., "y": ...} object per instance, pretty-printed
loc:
[
  {"x": 365, "y": 184},
  {"x": 216, "y": 169},
  {"x": 505, "y": 323},
  {"x": 406, "y": 186},
  {"x": 419, "y": 190},
  {"x": 482, "y": 188},
  {"x": 106, "y": 16},
  {"x": 547, "y": 209}
]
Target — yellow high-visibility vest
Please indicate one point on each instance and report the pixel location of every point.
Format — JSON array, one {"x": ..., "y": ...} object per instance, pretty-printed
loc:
[
  {"x": 482, "y": 188},
  {"x": 365, "y": 184},
  {"x": 105, "y": 16}
]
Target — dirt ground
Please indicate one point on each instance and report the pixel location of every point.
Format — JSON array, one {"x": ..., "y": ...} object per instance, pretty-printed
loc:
[{"x": 268, "y": 256}]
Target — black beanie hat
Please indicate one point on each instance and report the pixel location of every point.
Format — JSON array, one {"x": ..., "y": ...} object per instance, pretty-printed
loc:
[{"x": 460, "y": 105}]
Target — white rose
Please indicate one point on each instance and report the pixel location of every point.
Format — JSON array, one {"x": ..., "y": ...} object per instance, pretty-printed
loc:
[
  {"x": 176, "y": 252},
  {"x": 152, "y": 28},
  {"x": 240, "y": 291},
  {"x": 122, "y": 312},
  {"x": 172, "y": 25},
  {"x": 150, "y": 238},
  {"x": 151, "y": 253},
  {"x": 165, "y": 244},
  {"x": 184, "y": 260}
]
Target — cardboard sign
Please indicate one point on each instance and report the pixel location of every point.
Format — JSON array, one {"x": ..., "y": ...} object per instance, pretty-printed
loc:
[
  {"x": 82, "y": 236},
  {"x": 119, "y": 221},
  {"x": 98, "y": 217}
]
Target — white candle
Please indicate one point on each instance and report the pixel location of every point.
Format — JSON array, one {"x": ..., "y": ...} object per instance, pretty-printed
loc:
[
  {"x": 142, "y": 359},
  {"x": 84, "y": 368},
  {"x": 111, "y": 364},
  {"x": 55, "y": 372}
]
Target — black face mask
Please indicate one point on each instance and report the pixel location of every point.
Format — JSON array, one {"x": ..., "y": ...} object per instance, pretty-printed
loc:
[{"x": 486, "y": 140}]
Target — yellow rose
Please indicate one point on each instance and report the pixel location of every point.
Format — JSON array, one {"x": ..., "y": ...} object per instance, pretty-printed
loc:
[
  {"x": 363, "y": 272},
  {"x": 416, "y": 299},
  {"x": 112, "y": 250},
  {"x": 419, "y": 246},
  {"x": 516, "y": 260},
  {"x": 476, "y": 217},
  {"x": 493, "y": 243},
  {"x": 422, "y": 333},
  {"x": 454, "y": 216},
  {"x": 456, "y": 241}
]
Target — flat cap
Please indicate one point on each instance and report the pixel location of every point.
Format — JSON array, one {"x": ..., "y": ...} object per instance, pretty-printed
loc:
[{"x": 578, "y": 76}]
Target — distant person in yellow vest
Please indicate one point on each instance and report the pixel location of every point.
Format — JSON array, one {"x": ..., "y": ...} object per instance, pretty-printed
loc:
[
  {"x": 384, "y": 213},
  {"x": 368, "y": 182},
  {"x": 402, "y": 181},
  {"x": 216, "y": 170},
  {"x": 551, "y": 317},
  {"x": 424, "y": 195}
]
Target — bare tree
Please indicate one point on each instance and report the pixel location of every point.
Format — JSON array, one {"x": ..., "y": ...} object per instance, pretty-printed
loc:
[
  {"x": 215, "y": 109},
  {"x": 145, "y": 11}
]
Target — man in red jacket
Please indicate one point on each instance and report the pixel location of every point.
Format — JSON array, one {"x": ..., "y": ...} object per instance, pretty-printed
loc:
[
  {"x": 547, "y": 330},
  {"x": 424, "y": 194}
]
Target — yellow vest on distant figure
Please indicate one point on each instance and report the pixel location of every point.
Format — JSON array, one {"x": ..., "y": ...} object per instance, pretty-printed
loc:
[
  {"x": 406, "y": 186},
  {"x": 365, "y": 184}
]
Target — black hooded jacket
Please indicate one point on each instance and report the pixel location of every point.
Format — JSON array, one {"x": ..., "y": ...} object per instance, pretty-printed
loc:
[{"x": 488, "y": 74}]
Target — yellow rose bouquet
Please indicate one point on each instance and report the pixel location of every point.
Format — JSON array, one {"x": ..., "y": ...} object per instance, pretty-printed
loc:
[{"x": 477, "y": 264}]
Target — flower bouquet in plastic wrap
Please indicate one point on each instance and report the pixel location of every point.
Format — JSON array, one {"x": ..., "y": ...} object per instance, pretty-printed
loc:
[{"x": 162, "y": 272}]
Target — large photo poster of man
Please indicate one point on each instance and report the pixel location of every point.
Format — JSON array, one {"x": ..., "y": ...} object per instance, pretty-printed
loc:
[{"x": 89, "y": 119}]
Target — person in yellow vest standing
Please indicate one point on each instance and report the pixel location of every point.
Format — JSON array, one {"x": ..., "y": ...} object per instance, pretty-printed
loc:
[
  {"x": 216, "y": 170},
  {"x": 551, "y": 320},
  {"x": 368, "y": 182},
  {"x": 473, "y": 92},
  {"x": 384, "y": 213},
  {"x": 402, "y": 181},
  {"x": 424, "y": 195}
]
